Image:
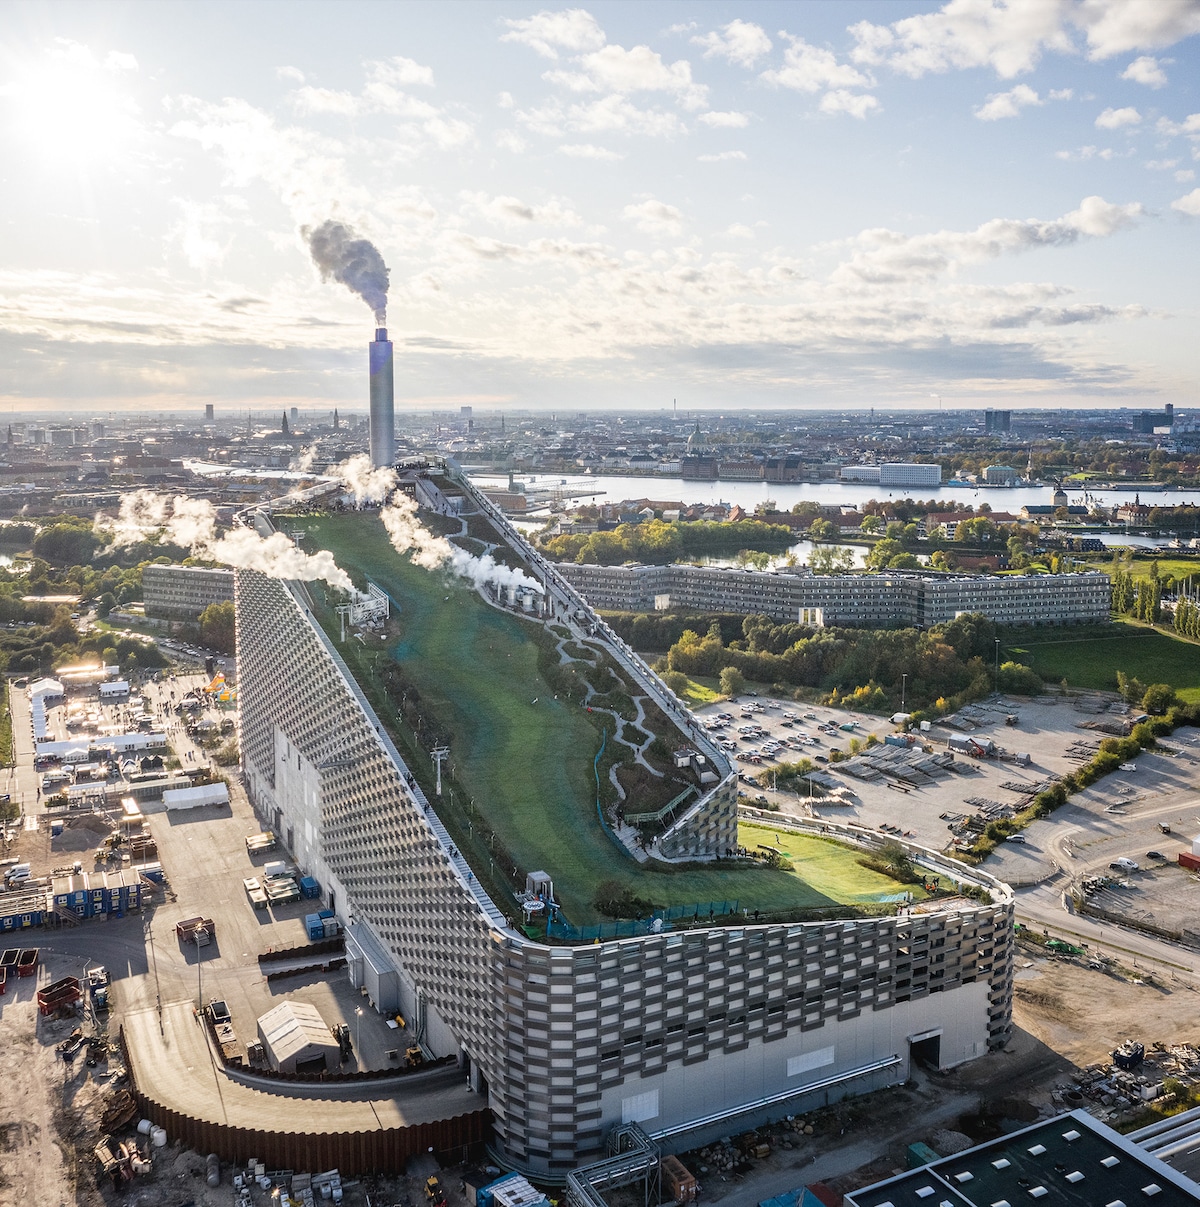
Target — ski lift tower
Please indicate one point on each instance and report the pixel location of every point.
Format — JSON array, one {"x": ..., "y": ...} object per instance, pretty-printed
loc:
[{"x": 438, "y": 753}]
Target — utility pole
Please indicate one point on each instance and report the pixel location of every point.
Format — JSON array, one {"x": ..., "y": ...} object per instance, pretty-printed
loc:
[
  {"x": 903, "y": 685},
  {"x": 997, "y": 663}
]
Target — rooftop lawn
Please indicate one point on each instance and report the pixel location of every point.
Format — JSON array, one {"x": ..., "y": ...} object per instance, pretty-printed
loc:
[
  {"x": 1091, "y": 661},
  {"x": 526, "y": 758}
]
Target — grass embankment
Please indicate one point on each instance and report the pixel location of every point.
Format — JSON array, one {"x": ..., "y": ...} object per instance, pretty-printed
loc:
[
  {"x": 524, "y": 757},
  {"x": 1091, "y": 659},
  {"x": 6, "y": 728}
]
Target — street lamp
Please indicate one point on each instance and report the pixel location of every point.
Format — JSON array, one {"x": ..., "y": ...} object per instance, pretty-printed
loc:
[
  {"x": 997, "y": 663},
  {"x": 357, "y": 1030},
  {"x": 903, "y": 685}
]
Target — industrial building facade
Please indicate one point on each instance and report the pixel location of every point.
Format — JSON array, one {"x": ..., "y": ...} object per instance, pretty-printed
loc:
[
  {"x": 183, "y": 592},
  {"x": 686, "y": 1033},
  {"x": 852, "y": 600}
]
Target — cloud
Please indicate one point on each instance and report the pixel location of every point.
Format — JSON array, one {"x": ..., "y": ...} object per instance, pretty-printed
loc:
[
  {"x": 1010, "y": 36},
  {"x": 589, "y": 151},
  {"x": 510, "y": 211},
  {"x": 401, "y": 72},
  {"x": 290, "y": 73},
  {"x": 1085, "y": 153},
  {"x": 721, "y": 156},
  {"x": 1113, "y": 29},
  {"x": 1184, "y": 175},
  {"x": 1115, "y": 119},
  {"x": 854, "y": 103},
  {"x": 655, "y": 217},
  {"x": 1146, "y": 70},
  {"x": 1188, "y": 204},
  {"x": 196, "y": 233},
  {"x": 1007, "y": 104},
  {"x": 574, "y": 30},
  {"x": 741, "y": 42},
  {"x": 1190, "y": 126},
  {"x": 384, "y": 93},
  {"x": 883, "y": 256},
  {"x": 609, "y": 114},
  {"x": 724, "y": 121},
  {"x": 640, "y": 69},
  {"x": 509, "y": 140},
  {"x": 809, "y": 68}
]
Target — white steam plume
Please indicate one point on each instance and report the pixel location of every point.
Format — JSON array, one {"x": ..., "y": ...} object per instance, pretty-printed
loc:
[
  {"x": 432, "y": 552},
  {"x": 307, "y": 457},
  {"x": 367, "y": 485},
  {"x": 192, "y": 523}
]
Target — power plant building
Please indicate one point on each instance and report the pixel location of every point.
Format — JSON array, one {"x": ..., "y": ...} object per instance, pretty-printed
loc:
[{"x": 690, "y": 1033}]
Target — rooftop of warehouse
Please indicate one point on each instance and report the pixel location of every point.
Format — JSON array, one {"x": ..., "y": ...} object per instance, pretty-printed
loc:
[{"x": 1070, "y": 1161}]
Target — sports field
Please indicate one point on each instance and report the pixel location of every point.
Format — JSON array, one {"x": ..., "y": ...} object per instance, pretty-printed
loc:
[
  {"x": 526, "y": 758},
  {"x": 1091, "y": 661}
]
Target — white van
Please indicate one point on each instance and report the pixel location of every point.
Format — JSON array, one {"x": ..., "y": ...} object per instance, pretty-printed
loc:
[
  {"x": 18, "y": 873},
  {"x": 1123, "y": 865}
]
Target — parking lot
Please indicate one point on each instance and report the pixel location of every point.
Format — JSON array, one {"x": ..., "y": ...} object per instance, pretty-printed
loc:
[{"x": 922, "y": 794}]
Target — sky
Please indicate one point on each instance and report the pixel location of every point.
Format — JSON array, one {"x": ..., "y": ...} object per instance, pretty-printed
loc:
[{"x": 765, "y": 205}]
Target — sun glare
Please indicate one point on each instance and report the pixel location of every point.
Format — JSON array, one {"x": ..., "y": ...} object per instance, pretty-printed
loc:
[{"x": 72, "y": 106}]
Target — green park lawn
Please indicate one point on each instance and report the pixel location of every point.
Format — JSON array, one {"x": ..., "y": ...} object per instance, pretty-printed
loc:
[
  {"x": 1091, "y": 661},
  {"x": 525, "y": 758},
  {"x": 827, "y": 869}
]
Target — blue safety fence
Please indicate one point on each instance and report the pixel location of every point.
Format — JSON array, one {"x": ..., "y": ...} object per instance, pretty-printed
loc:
[{"x": 657, "y": 923}]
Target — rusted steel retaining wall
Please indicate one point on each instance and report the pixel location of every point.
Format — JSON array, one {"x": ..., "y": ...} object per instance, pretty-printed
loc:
[{"x": 381, "y": 1150}]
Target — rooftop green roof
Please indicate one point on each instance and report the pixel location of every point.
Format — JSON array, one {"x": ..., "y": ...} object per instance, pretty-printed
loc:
[{"x": 519, "y": 787}]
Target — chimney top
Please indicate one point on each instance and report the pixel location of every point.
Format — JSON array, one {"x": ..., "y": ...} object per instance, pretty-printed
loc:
[{"x": 381, "y": 335}]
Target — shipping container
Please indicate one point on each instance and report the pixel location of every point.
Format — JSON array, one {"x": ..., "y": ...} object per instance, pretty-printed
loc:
[{"x": 309, "y": 887}]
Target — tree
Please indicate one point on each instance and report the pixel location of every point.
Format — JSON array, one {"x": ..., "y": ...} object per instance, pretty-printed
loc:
[
  {"x": 217, "y": 630},
  {"x": 872, "y": 524},
  {"x": 732, "y": 681},
  {"x": 676, "y": 681},
  {"x": 66, "y": 544},
  {"x": 831, "y": 559},
  {"x": 1158, "y": 699}
]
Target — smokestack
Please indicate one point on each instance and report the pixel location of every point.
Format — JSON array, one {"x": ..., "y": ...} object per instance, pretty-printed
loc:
[{"x": 383, "y": 420}]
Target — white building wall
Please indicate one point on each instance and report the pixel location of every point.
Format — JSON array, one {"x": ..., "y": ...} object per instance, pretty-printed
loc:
[{"x": 802, "y": 1058}]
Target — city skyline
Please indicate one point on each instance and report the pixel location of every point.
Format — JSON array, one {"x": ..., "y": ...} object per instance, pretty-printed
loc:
[{"x": 760, "y": 205}]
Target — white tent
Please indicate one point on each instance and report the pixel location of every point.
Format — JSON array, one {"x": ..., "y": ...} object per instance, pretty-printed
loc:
[
  {"x": 193, "y": 798},
  {"x": 47, "y": 689},
  {"x": 297, "y": 1040}
]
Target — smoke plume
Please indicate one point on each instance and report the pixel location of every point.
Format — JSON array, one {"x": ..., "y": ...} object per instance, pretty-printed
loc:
[
  {"x": 192, "y": 524},
  {"x": 431, "y": 552},
  {"x": 367, "y": 485},
  {"x": 341, "y": 255}
]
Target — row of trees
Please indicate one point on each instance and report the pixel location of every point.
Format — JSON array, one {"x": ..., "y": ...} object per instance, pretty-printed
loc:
[
  {"x": 1139, "y": 598},
  {"x": 874, "y": 663},
  {"x": 661, "y": 542}
]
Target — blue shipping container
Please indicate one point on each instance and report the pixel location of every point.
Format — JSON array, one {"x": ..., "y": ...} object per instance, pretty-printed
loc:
[{"x": 309, "y": 887}]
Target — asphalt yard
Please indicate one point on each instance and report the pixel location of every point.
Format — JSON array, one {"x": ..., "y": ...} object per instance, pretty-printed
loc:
[{"x": 923, "y": 793}]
